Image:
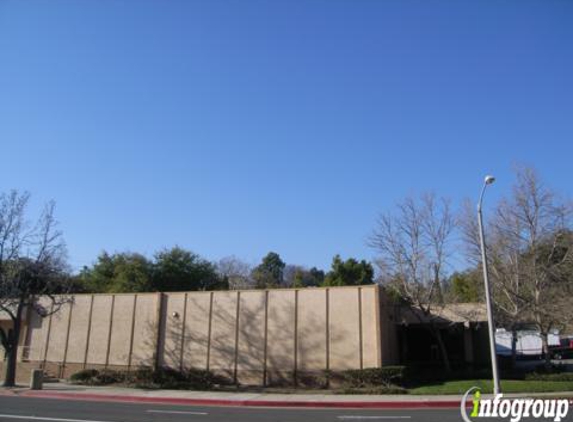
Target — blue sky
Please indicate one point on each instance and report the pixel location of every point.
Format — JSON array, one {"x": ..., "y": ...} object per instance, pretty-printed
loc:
[{"x": 240, "y": 127}]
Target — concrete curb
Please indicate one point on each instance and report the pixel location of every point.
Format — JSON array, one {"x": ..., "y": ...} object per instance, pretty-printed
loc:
[
  {"x": 317, "y": 404},
  {"x": 406, "y": 404}
]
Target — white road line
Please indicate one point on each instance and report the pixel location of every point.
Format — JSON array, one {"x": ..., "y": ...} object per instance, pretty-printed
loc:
[
  {"x": 42, "y": 418},
  {"x": 374, "y": 417},
  {"x": 177, "y": 412}
]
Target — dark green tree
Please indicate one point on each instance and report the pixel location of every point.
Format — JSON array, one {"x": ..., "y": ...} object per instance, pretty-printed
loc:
[
  {"x": 349, "y": 273},
  {"x": 269, "y": 273},
  {"x": 466, "y": 286},
  {"x": 174, "y": 269},
  {"x": 98, "y": 278},
  {"x": 177, "y": 269},
  {"x": 118, "y": 273}
]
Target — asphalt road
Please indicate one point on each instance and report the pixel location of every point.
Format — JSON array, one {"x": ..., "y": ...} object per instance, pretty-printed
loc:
[{"x": 17, "y": 409}]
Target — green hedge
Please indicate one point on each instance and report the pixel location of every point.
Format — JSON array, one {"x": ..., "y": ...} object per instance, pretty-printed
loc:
[
  {"x": 96, "y": 377},
  {"x": 374, "y": 377},
  {"x": 84, "y": 376},
  {"x": 151, "y": 378},
  {"x": 382, "y": 389}
]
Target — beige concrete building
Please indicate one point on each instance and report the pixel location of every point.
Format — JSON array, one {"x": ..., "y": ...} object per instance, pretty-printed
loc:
[{"x": 253, "y": 337}]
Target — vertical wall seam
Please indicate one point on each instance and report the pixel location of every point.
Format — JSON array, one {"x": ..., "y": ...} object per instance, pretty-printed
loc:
[
  {"x": 265, "y": 347},
  {"x": 295, "y": 371},
  {"x": 360, "y": 328},
  {"x": 89, "y": 332},
  {"x": 62, "y": 368},
  {"x": 109, "y": 332},
  {"x": 48, "y": 335},
  {"x": 237, "y": 336},
  {"x": 210, "y": 324},
  {"x": 183, "y": 324},
  {"x": 159, "y": 320},
  {"x": 133, "y": 316},
  {"x": 377, "y": 310},
  {"x": 25, "y": 350}
]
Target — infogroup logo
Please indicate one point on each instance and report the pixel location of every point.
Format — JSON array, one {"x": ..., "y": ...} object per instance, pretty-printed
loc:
[{"x": 515, "y": 408}]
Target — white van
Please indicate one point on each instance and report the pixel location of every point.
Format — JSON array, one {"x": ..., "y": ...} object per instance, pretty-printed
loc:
[{"x": 528, "y": 342}]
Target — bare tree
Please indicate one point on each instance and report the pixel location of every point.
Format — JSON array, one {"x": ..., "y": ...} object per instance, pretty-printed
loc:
[
  {"x": 414, "y": 247},
  {"x": 237, "y": 272},
  {"x": 532, "y": 236},
  {"x": 32, "y": 264},
  {"x": 530, "y": 256},
  {"x": 289, "y": 274},
  {"x": 504, "y": 263}
]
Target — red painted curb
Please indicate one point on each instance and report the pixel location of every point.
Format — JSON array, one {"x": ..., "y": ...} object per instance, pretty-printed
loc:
[{"x": 420, "y": 404}]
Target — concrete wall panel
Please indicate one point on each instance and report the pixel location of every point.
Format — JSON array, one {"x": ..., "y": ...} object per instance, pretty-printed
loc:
[
  {"x": 145, "y": 330},
  {"x": 311, "y": 351},
  {"x": 251, "y": 348},
  {"x": 121, "y": 330},
  {"x": 196, "y": 330},
  {"x": 222, "y": 354},
  {"x": 99, "y": 334},
  {"x": 172, "y": 330},
  {"x": 59, "y": 333},
  {"x": 344, "y": 331},
  {"x": 38, "y": 333},
  {"x": 280, "y": 336},
  {"x": 370, "y": 336},
  {"x": 79, "y": 328}
]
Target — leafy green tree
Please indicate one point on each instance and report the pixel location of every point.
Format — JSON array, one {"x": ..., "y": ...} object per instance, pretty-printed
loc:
[
  {"x": 98, "y": 278},
  {"x": 132, "y": 274},
  {"x": 269, "y": 273},
  {"x": 349, "y": 273},
  {"x": 174, "y": 269},
  {"x": 118, "y": 273},
  {"x": 177, "y": 269}
]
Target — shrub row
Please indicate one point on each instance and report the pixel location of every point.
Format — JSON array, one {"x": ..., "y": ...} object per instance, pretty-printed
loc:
[
  {"x": 384, "y": 380},
  {"x": 374, "y": 377},
  {"x": 149, "y": 378},
  {"x": 382, "y": 389}
]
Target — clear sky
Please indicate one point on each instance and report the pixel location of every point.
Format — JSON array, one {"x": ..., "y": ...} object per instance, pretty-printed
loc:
[{"x": 240, "y": 127}]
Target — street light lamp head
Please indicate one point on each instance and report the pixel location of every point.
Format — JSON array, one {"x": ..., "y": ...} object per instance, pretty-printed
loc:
[{"x": 489, "y": 180}]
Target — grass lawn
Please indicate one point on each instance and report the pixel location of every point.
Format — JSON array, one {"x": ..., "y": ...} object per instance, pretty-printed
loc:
[{"x": 507, "y": 386}]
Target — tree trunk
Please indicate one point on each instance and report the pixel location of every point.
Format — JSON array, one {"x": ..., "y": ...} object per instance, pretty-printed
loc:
[
  {"x": 513, "y": 348},
  {"x": 545, "y": 349},
  {"x": 10, "y": 377},
  {"x": 12, "y": 351},
  {"x": 443, "y": 350}
]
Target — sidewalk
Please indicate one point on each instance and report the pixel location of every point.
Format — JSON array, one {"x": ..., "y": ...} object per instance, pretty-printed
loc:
[{"x": 209, "y": 398}]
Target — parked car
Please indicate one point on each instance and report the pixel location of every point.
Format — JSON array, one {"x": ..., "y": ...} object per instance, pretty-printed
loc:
[{"x": 564, "y": 350}]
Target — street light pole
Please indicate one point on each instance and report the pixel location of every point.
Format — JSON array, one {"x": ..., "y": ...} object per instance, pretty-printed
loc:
[{"x": 491, "y": 325}]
